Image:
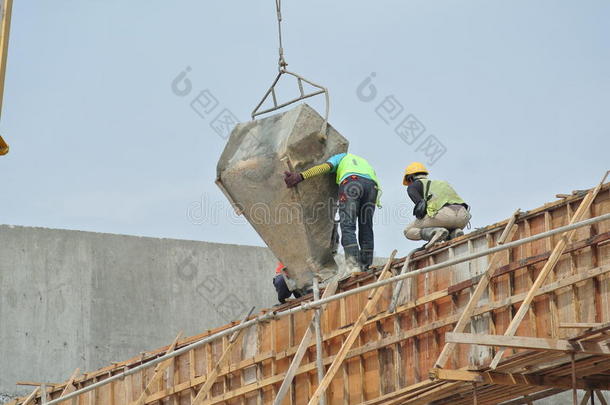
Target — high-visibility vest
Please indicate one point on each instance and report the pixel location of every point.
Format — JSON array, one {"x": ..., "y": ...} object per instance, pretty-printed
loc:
[
  {"x": 439, "y": 194},
  {"x": 352, "y": 164}
]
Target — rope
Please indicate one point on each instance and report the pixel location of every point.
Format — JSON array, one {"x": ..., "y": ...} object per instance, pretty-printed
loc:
[{"x": 278, "y": 10}]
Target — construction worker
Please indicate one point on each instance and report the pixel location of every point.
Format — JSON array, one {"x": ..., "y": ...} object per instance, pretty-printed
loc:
[
  {"x": 441, "y": 213},
  {"x": 358, "y": 195},
  {"x": 281, "y": 287}
]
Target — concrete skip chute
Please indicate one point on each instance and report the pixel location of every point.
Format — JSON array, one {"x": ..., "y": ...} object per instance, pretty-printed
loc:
[{"x": 297, "y": 224}]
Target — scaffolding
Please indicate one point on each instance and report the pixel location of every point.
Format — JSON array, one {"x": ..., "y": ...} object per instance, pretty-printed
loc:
[{"x": 507, "y": 314}]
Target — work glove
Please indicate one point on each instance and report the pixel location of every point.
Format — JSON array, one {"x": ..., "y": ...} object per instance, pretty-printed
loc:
[{"x": 292, "y": 178}]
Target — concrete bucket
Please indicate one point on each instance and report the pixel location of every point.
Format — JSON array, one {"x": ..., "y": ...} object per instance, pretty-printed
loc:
[{"x": 296, "y": 223}]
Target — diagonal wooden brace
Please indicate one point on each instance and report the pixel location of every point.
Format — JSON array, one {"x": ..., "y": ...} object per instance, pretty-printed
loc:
[
  {"x": 159, "y": 370},
  {"x": 583, "y": 208},
  {"x": 211, "y": 377}
]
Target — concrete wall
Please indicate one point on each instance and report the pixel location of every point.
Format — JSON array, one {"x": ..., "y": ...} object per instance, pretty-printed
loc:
[{"x": 73, "y": 299}]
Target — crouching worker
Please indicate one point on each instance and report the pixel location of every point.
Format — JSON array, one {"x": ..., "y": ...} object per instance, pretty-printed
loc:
[
  {"x": 281, "y": 287},
  {"x": 441, "y": 213},
  {"x": 358, "y": 196}
]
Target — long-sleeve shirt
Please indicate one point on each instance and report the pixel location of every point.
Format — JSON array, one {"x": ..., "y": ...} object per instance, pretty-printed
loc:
[{"x": 416, "y": 191}]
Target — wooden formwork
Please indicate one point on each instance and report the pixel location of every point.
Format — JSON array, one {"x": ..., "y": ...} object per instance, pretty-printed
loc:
[{"x": 392, "y": 359}]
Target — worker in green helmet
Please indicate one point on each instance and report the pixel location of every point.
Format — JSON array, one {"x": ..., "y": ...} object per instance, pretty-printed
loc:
[
  {"x": 441, "y": 213},
  {"x": 359, "y": 193}
]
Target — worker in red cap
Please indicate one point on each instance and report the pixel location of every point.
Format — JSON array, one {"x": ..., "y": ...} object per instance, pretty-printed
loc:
[{"x": 279, "y": 282}]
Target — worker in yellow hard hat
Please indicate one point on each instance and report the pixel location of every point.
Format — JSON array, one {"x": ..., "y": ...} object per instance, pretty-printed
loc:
[
  {"x": 3, "y": 147},
  {"x": 440, "y": 212}
]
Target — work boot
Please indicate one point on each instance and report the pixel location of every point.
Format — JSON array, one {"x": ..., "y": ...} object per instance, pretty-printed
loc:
[
  {"x": 456, "y": 233},
  {"x": 352, "y": 265},
  {"x": 433, "y": 235},
  {"x": 352, "y": 259}
]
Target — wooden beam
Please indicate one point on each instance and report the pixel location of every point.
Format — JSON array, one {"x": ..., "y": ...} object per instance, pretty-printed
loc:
[
  {"x": 211, "y": 377},
  {"x": 354, "y": 333},
  {"x": 159, "y": 370},
  {"x": 519, "y": 342},
  {"x": 580, "y": 325},
  {"x": 531, "y": 260},
  {"x": 583, "y": 208},
  {"x": 302, "y": 349},
  {"x": 38, "y": 384},
  {"x": 510, "y": 379},
  {"x": 481, "y": 288},
  {"x": 534, "y": 397}
]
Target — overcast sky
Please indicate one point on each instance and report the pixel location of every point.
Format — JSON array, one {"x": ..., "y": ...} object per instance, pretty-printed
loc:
[{"x": 517, "y": 92}]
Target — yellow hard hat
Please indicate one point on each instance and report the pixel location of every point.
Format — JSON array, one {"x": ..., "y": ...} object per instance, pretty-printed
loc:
[{"x": 413, "y": 168}]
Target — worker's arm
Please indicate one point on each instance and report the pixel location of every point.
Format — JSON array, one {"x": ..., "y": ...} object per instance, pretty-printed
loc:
[
  {"x": 416, "y": 191},
  {"x": 294, "y": 178},
  {"x": 317, "y": 170}
]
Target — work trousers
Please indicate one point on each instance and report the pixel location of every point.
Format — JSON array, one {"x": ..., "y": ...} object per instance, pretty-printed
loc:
[
  {"x": 282, "y": 289},
  {"x": 357, "y": 199},
  {"x": 450, "y": 217}
]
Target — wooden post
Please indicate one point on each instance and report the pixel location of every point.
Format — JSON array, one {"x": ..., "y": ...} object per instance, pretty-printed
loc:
[
  {"x": 574, "y": 392},
  {"x": 319, "y": 347},
  {"x": 353, "y": 335},
  {"x": 475, "y": 399},
  {"x": 159, "y": 370},
  {"x": 398, "y": 286},
  {"x": 583, "y": 208},
  {"x": 507, "y": 234},
  {"x": 298, "y": 356},
  {"x": 211, "y": 377},
  {"x": 43, "y": 393}
]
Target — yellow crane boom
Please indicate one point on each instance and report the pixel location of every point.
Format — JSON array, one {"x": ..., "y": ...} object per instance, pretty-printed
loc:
[{"x": 7, "y": 8}]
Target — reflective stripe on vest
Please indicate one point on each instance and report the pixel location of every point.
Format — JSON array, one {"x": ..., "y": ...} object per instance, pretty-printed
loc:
[
  {"x": 440, "y": 193},
  {"x": 352, "y": 164}
]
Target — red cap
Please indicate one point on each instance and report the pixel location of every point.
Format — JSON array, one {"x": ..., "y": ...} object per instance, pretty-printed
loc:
[{"x": 279, "y": 268}]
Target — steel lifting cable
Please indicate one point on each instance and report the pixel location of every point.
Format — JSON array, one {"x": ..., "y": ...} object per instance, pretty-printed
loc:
[
  {"x": 278, "y": 10},
  {"x": 282, "y": 70}
]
